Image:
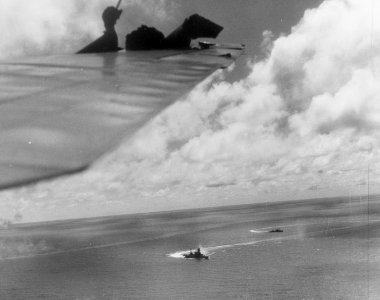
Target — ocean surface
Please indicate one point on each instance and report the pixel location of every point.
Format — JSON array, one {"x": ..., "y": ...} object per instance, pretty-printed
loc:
[{"x": 330, "y": 249}]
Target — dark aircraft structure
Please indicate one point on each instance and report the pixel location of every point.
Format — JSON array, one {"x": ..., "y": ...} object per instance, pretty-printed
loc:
[
  {"x": 149, "y": 38},
  {"x": 108, "y": 42},
  {"x": 194, "y": 27}
]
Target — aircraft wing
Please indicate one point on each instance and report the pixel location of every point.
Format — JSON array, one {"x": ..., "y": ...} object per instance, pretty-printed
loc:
[{"x": 58, "y": 114}]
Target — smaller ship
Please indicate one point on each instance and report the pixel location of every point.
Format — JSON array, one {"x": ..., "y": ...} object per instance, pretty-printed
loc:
[
  {"x": 196, "y": 255},
  {"x": 276, "y": 230}
]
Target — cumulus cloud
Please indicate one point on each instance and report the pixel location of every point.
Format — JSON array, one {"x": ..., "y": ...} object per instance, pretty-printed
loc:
[
  {"x": 307, "y": 119},
  {"x": 310, "y": 108}
]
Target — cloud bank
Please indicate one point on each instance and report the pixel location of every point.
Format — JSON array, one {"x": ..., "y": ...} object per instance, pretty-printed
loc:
[{"x": 305, "y": 120}]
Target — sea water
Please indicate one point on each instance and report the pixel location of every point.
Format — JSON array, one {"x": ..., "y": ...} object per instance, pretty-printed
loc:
[{"x": 329, "y": 249}]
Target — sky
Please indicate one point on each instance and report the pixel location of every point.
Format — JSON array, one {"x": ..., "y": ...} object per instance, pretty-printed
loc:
[{"x": 297, "y": 117}]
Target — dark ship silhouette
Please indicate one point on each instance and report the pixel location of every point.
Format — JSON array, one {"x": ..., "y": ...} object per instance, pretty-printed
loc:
[
  {"x": 277, "y": 230},
  {"x": 196, "y": 255}
]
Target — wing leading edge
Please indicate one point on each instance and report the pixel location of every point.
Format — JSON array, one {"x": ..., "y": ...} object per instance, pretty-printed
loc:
[{"x": 58, "y": 114}]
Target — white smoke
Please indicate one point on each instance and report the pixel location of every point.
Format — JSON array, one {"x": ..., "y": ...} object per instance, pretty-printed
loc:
[{"x": 11, "y": 248}]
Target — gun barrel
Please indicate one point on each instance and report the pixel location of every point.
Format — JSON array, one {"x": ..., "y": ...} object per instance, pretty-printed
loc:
[{"x": 118, "y": 4}]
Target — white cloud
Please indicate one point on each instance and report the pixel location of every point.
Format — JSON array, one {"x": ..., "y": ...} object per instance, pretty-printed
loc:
[
  {"x": 40, "y": 27},
  {"x": 310, "y": 106}
]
